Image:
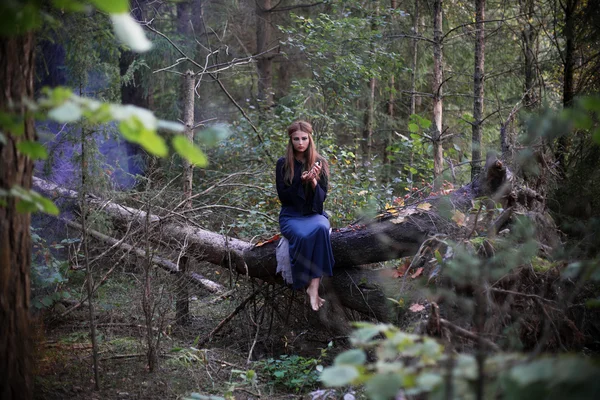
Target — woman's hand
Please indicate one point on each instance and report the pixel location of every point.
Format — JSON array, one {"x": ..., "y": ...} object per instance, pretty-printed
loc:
[{"x": 311, "y": 176}]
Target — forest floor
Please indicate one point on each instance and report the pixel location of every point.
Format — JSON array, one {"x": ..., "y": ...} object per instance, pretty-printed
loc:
[{"x": 290, "y": 335}]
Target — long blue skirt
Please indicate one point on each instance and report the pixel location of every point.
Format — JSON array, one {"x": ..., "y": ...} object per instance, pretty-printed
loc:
[{"x": 310, "y": 247}]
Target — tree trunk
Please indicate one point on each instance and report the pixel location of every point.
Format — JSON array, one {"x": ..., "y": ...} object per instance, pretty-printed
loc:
[
  {"x": 183, "y": 304},
  {"x": 415, "y": 55},
  {"x": 529, "y": 35},
  {"x": 369, "y": 115},
  {"x": 568, "y": 78},
  {"x": 391, "y": 236},
  {"x": 16, "y": 75},
  {"x": 438, "y": 151},
  {"x": 478, "y": 86},
  {"x": 264, "y": 62}
]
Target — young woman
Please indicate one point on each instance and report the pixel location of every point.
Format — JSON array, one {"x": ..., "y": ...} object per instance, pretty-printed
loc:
[{"x": 302, "y": 177}]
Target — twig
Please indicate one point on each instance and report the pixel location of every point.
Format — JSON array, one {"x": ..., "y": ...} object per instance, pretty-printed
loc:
[
  {"x": 468, "y": 334},
  {"x": 533, "y": 296},
  {"x": 239, "y": 308}
]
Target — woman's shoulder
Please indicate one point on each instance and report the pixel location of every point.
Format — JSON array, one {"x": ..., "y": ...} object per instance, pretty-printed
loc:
[{"x": 281, "y": 161}]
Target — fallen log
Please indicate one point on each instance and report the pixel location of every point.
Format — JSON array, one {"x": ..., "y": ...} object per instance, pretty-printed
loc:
[{"x": 395, "y": 234}]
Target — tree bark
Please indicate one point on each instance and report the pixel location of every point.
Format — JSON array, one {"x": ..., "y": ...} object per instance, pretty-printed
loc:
[
  {"x": 16, "y": 75},
  {"x": 438, "y": 151},
  {"x": 568, "y": 77},
  {"x": 478, "y": 87},
  {"x": 183, "y": 303},
  {"x": 264, "y": 62}
]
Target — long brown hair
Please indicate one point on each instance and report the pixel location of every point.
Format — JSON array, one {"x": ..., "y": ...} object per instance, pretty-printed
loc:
[{"x": 311, "y": 155}]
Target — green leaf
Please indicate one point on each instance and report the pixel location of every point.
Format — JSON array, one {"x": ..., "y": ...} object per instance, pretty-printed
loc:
[
  {"x": 154, "y": 144},
  {"x": 12, "y": 123},
  {"x": 414, "y": 128},
  {"x": 170, "y": 126},
  {"x": 189, "y": 151},
  {"x": 414, "y": 136},
  {"x": 47, "y": 206},
  {"x": 69, "y": 5},
  {"x": 130, "y": 32},
  {"x": 212, "y": 135},
  {"x": 47, "y": 301},
  {"x": 67, "y": 112},
  {"x": 339, "y": 375},
  {"x": 351, "y": 357},
  {"x": 33, "y": 150},
  {"x": 112, "y": 6},
  {"x": 383, "y": 386}
]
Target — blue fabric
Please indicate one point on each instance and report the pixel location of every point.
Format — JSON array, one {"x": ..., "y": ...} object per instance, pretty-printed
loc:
[{"x": 303, "y": 222}]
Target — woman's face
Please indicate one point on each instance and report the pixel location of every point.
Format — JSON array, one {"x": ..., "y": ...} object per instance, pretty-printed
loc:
[{"x": 300, "y": 141}]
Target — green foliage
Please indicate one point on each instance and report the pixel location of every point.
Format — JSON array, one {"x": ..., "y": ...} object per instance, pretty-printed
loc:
[
  {"x": 293, "y": 372},
  {"x": 415, "y": 364},
  {"x": 49, "y": 273},
  {"x": 28, "y": 200}
]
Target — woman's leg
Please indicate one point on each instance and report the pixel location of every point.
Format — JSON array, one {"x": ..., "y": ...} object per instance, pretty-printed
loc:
[{"x": 313, "y": 293}]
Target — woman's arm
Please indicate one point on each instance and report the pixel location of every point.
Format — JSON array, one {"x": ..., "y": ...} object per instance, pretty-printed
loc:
[{"x": 292, "y": 194}]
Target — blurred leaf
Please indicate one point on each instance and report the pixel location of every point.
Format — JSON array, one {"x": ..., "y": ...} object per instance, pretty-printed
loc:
[
  {"x": 112, "y": 6},
  {"x": 383, "y": 386},
  {"x": 66, "y": 112},
  {"x": 33, "y": 150},
  {"x": 189, "y": 151},
  {"x": 351, "y": 357},
  {"x": 414, "y": 128},
  {"x": 69, "y": 5},
  {"x": 130, "y": 32},
  {"x": 339, "y": 375},
  {"x": 211, "y": 136},
  {"x": 12, "y": 123}
]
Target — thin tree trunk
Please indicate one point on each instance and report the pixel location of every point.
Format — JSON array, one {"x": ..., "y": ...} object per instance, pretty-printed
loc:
[
  {"x": 264, "y": 62},
  {"x": 88, "y": 272},
  {"x": 568, "y": 79},
  {"x": 367, "y": 136},
  {"x": 478, "y": 86},
  {"x": 16, "y": 74},
  {"x": 413, "y": 83},
  {"x": 438, "y": 151},
  {"x": 415, "y": 59},
  {"x": 183, "y": 304}
]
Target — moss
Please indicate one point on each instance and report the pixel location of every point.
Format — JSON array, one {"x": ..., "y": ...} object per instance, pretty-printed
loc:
[{"x": 541, "y": 265}]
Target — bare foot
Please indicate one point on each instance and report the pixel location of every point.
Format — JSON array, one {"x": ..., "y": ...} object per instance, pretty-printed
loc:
[{"x": 316, "y": 302}]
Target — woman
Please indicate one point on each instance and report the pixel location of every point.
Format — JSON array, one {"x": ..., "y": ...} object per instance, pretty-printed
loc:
[{"x": 302, "y": 177}]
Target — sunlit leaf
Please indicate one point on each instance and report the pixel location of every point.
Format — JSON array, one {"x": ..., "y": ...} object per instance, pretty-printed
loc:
[
  {"x": 33, "y": 150},
  {"x": 130, "y": 32},
  {"x": 424, "y": 206},
  {"x": 189, "y": 151},
  {"x": 170, "y": 126},
  {"x": 414, "y": 128},
  {"x": 66, "y": 112}
]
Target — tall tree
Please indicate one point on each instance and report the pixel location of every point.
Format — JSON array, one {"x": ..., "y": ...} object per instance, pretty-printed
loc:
[
  {"x": 569, "y": 8},
  {"x": 264, "y": 64},
  {"x": 16, "y": 75},
  {"x": 438, "y": 151},
  {"x": 478, "y": 85}
]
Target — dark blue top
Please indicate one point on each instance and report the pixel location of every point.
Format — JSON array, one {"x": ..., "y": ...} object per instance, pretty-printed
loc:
[{"x": 299, "y": 199}]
